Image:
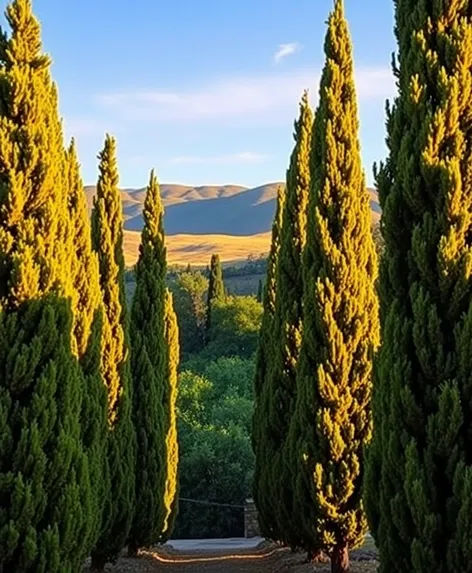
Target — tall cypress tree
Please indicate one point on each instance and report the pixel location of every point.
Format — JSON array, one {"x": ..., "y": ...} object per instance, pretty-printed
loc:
[
  {"x": 287, "y": 324},
  {"x": 260, "y": 291},
  {"x": 332, "y": 421},
  {"x": 107, "y": 235},
  {"x": 44, "y": 482},
  {"x": 260, "y": 437},
  {"x": 171, "y": 466},
  {"x": 85, "y": 272},
  {"x": 149, "y": 367},
  {"x": 419, "y": 486},
  {"x": 216, "y": 287},
  {"x": 86, "y": 339}
]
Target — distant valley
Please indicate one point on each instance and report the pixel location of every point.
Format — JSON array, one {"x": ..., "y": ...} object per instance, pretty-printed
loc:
[{"x": 232, "y": 220}]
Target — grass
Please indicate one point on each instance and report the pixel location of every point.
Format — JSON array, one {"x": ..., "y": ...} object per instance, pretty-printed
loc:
[{"x": 197, "y": 249}]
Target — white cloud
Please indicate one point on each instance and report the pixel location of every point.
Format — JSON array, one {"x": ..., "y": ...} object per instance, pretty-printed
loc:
[
  {"x": 257, "y": 99},
  {"x": 285, "y": 50},
  {"x": 83, "y": 127},
  {"x": 243, "y": 157}
]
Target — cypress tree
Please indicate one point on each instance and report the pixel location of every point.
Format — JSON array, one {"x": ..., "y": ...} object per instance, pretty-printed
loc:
[
  {"x": 86, "y": 338},
  {"x": 260, "y": 436},
  {"x": 44, "y": 482},
  {"x": 170, "y": 505},
  {"x": 107, "y": 239},
  {"x": 216, "y": 287},
  {"x": 260, "y": 291},
  {"x": 149, "y": 373},
  {"x": 332, "y": 421},
  {"x": 419, "y": 481},
  {"x": 85, "y": 272},
  {"x": 287, "y": 324}
]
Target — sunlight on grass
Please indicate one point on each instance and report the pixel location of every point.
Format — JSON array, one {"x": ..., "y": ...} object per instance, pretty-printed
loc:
[{"x": 197, "y": 249}]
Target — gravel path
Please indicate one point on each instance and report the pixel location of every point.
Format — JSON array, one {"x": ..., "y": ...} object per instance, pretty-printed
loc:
[{"x": 263, "y": 559}]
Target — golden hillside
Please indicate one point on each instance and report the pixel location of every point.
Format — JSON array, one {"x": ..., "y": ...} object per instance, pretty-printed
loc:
[
  {"x": 231, "y": 220},
  {"x": 197, "y": 249}
]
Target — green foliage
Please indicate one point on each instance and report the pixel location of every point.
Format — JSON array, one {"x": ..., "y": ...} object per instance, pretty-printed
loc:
[
  {"x": 190, "y": 306},
  {"x": 418, "y": 485},
  {"x": 216, "y": 287},
  {"x": 86, "y": 340},
  {"x": 45, "y": 494},
  {"x": 235, "y": 327},
  {"x": 194, "y": 392},
  {"x": 287, "y": 326},
  {"x": 107, "y": 235},
  {"x": 332, "y": 420},
  {"x": 214, "y": 415},
  {"x": 171, "y": 465},
  {"x": 277, "y": 382},
  {"x": 263, "y": 501},
  {"x": 260, "y": 291},
  {"x": 230, "y": 375},
  {"x": 378, "y": 240},
  {"x": 149, "y": 368},
  {"x": 47, "y": 511},
  {"x": 252, "y": 266}
]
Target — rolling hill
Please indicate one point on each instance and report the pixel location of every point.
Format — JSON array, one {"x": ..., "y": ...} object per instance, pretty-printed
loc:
[{"x": 232, "y": 220}]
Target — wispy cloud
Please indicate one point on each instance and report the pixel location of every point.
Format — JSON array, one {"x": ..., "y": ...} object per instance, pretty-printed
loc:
[
  {"x": 84, "y": 126},
  {"x": 243, "y": 157},
  {"x": 285, "y": 50},
  {"x": 258, "y": 99}
]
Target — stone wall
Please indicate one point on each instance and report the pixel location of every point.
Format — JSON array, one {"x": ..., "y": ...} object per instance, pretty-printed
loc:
[{"x": 251, "y": 525}]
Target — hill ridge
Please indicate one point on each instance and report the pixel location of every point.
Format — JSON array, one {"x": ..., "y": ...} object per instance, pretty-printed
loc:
[{"x": 231, "y": 210}]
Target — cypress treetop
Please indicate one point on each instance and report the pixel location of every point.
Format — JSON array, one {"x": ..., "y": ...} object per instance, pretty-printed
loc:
[
  {"x": 107, "y": 235},
  {"x": 332, "y": 421},
  {"x": 33, "y": 206},
  {"x": 85, "y": 273},
  {"x": 419, "y": 481}
]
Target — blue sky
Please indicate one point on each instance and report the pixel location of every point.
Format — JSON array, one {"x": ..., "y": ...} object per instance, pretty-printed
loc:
[{"x": 195, "y": 88}]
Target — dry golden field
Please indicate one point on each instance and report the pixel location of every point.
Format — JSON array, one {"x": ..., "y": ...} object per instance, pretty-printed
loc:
[{"x": 197, "y": 249}]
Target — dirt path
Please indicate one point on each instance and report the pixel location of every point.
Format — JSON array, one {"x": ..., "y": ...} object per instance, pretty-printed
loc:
[{"x": 264, "y": 559}]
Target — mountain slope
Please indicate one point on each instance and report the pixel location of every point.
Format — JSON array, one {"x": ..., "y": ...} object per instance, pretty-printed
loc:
[{"x": 210, "y": 210}]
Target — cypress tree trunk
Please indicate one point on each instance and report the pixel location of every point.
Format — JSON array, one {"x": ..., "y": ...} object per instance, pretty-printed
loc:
[
  {"x": 45, "y": 494},
  {"x": 286, "y": 329},
  {"x": 263, "y": 501},
  {"x": 332, "y": 420},
  {"x": 419, "y": 479},
  {"x": 107, "y": 234},
  {"x": 340, "y": 559}
]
